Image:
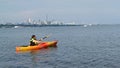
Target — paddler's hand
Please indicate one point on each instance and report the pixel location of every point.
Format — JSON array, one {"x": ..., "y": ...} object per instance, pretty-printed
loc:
[{"x": 41, "y": 39}]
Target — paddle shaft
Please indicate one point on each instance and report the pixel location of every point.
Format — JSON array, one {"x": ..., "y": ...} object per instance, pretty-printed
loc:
[{"x": 44, "y": 37}]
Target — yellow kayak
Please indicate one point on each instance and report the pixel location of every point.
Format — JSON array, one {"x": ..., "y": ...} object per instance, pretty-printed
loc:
[{"x": 36, "y": 47}]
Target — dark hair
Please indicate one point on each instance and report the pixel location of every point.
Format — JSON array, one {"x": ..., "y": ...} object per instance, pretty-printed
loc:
[{"x": 33, "y": 36}]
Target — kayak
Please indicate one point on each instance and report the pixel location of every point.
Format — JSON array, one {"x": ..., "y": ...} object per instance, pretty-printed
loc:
[{"x": 37, "y": 47}]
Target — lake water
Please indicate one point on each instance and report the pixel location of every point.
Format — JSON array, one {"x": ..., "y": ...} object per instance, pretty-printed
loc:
[{"x": 95, "y": 46}]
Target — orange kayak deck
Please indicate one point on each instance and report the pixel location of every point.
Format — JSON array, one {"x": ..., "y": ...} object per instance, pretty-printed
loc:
[{"x": 36, "y": 47}]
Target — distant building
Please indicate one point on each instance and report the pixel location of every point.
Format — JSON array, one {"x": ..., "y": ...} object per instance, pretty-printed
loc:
[{"x": 29, "y": 21}]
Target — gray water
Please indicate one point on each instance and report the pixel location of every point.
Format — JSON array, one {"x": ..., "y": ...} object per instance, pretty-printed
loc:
[{"x": 78, "y": 47}]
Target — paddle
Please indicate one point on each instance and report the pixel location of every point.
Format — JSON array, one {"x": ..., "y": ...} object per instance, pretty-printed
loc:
[{"x": 44, "y": 37}]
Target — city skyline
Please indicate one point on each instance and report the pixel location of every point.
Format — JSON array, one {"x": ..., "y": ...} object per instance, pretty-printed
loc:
[
  {"x": 79, "y": 11},
  {"x": 40, "y": 22}
]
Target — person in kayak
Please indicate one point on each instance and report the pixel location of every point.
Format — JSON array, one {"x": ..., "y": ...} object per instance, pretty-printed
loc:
[{"x": 34, "y": 41}]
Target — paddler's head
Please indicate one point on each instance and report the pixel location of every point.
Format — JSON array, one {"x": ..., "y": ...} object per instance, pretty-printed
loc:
[{"x": 33, "y": 36}]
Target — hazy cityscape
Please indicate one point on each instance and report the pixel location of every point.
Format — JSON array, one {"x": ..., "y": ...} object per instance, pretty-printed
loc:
[
  {"x": 31, "y": 23},
  {"x": 46, "y": 22}
]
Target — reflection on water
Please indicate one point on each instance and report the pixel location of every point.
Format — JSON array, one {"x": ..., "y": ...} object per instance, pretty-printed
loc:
[
  {"x": 34, "y": 58},
  {"x": 37, "y": 55}
]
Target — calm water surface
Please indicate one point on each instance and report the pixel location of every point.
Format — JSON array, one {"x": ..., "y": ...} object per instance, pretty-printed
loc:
[{"x": 78, "y": 47}]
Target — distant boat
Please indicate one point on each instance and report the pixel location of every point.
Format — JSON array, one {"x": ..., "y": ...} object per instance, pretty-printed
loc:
[
  {"x": 16, "y": 26},
  {"x": 85, "y": 25}
]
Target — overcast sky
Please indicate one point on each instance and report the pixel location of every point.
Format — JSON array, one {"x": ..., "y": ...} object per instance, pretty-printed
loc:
[{"x": 79, "y": 11}]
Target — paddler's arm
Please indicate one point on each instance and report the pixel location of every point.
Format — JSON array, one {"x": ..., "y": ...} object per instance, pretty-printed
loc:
[{"x": 36, "y": 41}]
